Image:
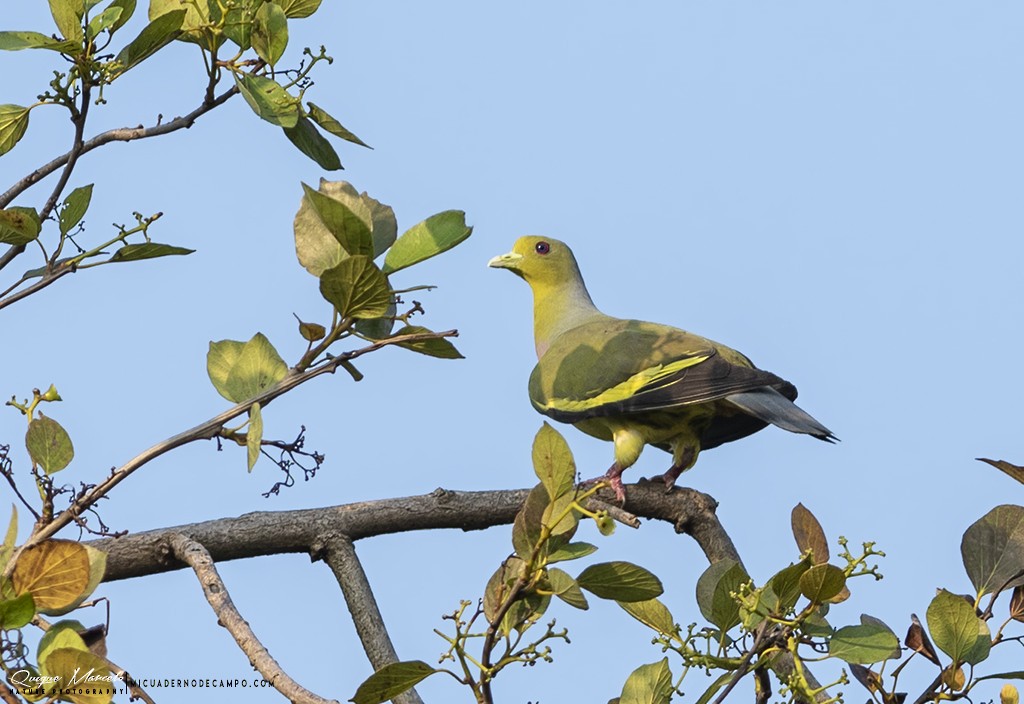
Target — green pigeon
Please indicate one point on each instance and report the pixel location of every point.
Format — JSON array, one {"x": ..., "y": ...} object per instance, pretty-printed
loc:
[{"x": 637, "y": 383}]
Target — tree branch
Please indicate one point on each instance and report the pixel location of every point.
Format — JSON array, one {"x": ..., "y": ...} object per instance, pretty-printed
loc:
[
  {"x": 196, "y": 556},
  {"x": 340, "y": 555},
  {"x": 206, "y": 431},
  {"x": 303, "y": 531},
  {"x": 122, "y": 134}
]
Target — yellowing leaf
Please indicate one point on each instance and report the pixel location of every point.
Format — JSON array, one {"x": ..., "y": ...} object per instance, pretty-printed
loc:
[
  {"x": 56, "y": 573},
  {"x": 48, "y": 444},
  {"x": 241, "y": 370},
  {"x": 254, "y": 435}
]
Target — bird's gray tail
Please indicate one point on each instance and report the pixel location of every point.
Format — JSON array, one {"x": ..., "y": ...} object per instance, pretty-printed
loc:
[{"x": 769, "y": 405}]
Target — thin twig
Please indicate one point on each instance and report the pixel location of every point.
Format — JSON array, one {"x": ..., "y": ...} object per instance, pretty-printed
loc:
[
  {"x": 121, "y": 134},
  {"x": 216, "y": 593},
  {"x": 8, "y": 696},
  {"x": 340, "y": 555},
  {"x": 206, "y": 430}
]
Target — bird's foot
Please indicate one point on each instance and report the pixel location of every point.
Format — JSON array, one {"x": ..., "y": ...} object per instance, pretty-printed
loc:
[
  {"x": 668, "y": 478},
  {"x": 614, "y": 479}
]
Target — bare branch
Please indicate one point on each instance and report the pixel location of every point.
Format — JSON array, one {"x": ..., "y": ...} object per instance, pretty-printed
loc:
[
  {"x": 340, "y": 555},
  {"x": 206, "y": 431},
  {"x": 303, "y": 531},
  {"x": 122, "y": 134},
  {"x": 193, "y": 553},
  {"x": 7, "y": 695}
]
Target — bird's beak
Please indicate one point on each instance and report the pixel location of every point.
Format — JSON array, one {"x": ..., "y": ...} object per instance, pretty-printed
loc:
[{"x": 506, "y": 261}]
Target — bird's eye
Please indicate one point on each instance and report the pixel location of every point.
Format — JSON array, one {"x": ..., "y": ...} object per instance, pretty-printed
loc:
[{"x": 542, "y": 248}]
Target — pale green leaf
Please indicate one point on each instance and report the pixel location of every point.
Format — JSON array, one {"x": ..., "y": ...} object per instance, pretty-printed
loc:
[
  {"x": 127, "y": 10},
  {"x": 649, "y": 684},
  {"x": 254, "y": 434},
  {"x": 957, "y": 630},
  {"x": 436, "y": 234},
  {"x": 310, "y": 142},
  {"x": 864, "y": 644},
  {"x": 553, "y": 462},
  {"x": 565, "y": 588},
  {"x": 239, "y": 371},
  {"x": 300, "y": 8},
  {"x": 16, "y": 41},
  {"x": 147, "y": 250},
  {"x": 269, "y": 100},
  {"x": 620, "y": 581},
  {"x": 652, "y": 613},
  {"x": 48, "y": 444},
  {"x": 7, "y": 548},
  {"x": 432, "y": 347},
  {"x": 103, "y": 21},
  {"x": 270, "y": 32},
  {"x": 160, "y": 32},
  {"x": 822, "y": 582},
  {"x": 239, "y": 21},
  {"x": 356, "y": 288},
  {"x": 391, "y": 680},
  {"x": 714, "y": 589},
  {"x": 67, "y": 15},
  {"x": 318, "y": 249},
  {"x": 571, "y": 551},
  {"x": 75, "y": 207},
  {"x": 332, "y": 126},
  {"x": 350, "y": 226},
  {"x": 13, "y": 123}
]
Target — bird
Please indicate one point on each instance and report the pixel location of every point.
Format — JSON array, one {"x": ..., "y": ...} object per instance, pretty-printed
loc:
[{"x": 637, "y": 383}]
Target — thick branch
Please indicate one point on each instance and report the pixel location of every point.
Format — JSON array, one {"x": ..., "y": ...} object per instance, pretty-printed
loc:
[
  {"x": 340, "y": 555},
  {"x": 303, "y": 531},
  {"x": 216, "y": 593}
]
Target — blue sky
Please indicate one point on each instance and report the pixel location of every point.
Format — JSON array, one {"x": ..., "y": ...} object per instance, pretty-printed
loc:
[{"x": 833, "y": 189}]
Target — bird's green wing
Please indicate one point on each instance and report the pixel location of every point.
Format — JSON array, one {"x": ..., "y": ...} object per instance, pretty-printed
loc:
[{"x": 611, "y": 367}]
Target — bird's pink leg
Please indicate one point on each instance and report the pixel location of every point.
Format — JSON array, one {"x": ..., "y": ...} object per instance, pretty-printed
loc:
[
  {"x": 685, "y": 461},
  {"x": 614, "y": 478}
]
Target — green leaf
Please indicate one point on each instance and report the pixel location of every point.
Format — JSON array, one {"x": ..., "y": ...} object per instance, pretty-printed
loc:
[
  {"x": 822, "y": 582},
  {"x": 714, "y": 587},
  {"x": 524, "y": 612},
  {"x": 867, "y": 620},
  {"x": 63, "y": 634},
  {"x": 356, "y": 288},
  {"x": 809, "y": 534},
  {"x": 332, "y": 126},
  {"x": 19, "y": 225},
  {"x": 993, "y": 550},
  {"x": 552, "y": 462},
  {"x": 649, "y": 684},
  {"x": 311, "y": 332},
  {"x": 566, "y": 588},
  {"x": 572, "y": 551},
  {"x": 67, "y": 15},
  {"x": 300, "y": 8},
  {"x": 652, "y": 613},
  {"x": 239, "y": 371},
  {"x": 391, "y": 680},
  {"x": 310, "y": 142},
  {"x": 526, "y": 527},
  {"x": 16, "y": 41},
  {"x": 75, "y": 206},
  {"x": 957, "y": 630},
  {"x": 17, "y": 612},
  {"x": 127, "y": 10},
  {"x": 436, "y": 234},
  {"x": 7, "y": 548},
  {"x": 239, "y": 21},
  {"x": 620, "y": 581},
  {"x": 200, "y": 15},
  {"x": 379, "y": 328},
  {"x": 499, "y": 585},
  {"x": 318, "y": 249},
  {"x": 1015, "y": 675},
  {"x": 13, "y": 123},
  {"x": 104, "y": 20},
  {"x": 432, "y": 347},
  {"x": 785, "y": 585},
  {"x": 350, "y": 228},
  {"x": 269, "y": 100},
  {"x": 864, "y": 644},
  {"x": 254, "y": 435},
  {"x": 561, "y": 518},
  {"x": 48, "y": 444},
  {"x": 270, "y": 32},
  {"x": 64, "y": 663},
  {"x": 160, "y": 32},
  {"x": 147, "y": 250}
]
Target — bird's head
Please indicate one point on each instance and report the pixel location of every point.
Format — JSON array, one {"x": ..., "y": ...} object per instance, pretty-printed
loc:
[{"x": 542, "y": 261}]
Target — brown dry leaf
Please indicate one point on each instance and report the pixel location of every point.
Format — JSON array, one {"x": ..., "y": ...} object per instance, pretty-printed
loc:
[
  {"x": 1004, "y": 466},
  {"x": 809, "y": 534}
]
